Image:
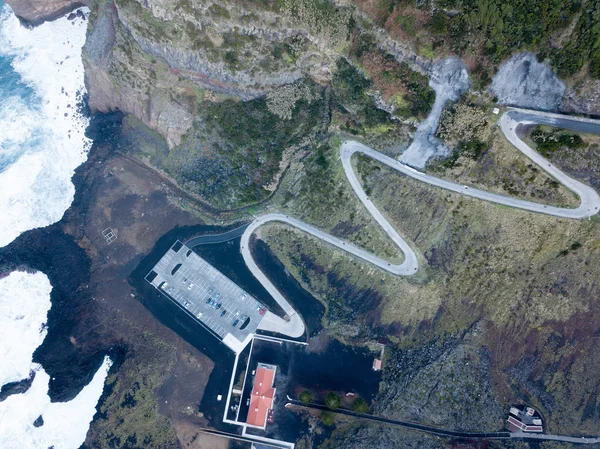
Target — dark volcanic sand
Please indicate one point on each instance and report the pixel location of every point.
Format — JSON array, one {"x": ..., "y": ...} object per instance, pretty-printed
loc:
[
  {"x": 94, "y": 308},
  {"x": 101, "y": 304}
]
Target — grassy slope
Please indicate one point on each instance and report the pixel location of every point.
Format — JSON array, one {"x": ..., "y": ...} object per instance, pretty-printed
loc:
[
  {"x": 130, "y": 415},
  {"x": 526, "y": 277},
  {"x": 482, "y": 157},
  {"x": 515, "y": 272}
]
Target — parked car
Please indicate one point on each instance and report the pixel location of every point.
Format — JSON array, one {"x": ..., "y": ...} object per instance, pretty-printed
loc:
[
  {"x": 262, "y": 311},
  {"x": 243, "y": 297},
  {"x": 218, "y": 306},
  {"x": 235, "y": 323},
  {"x": 223, "y": 312},
  {"x": 190, "y": 286}
]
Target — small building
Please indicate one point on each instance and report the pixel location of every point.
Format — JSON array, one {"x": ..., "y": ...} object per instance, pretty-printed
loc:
[
  {"x": 262, "y": 396},
  {"x": 496, "y": 111},
  {"x": 524, "y": 419},
  {"x": 377, "y": 365}
]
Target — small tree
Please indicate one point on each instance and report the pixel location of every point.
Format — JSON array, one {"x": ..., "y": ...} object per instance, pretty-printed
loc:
[
  {"x": 327, "y": 417},
  {"x": 332, "y": 400},
  {"x": 360, "y": 406},
  {"x": 306, "y": 397}
]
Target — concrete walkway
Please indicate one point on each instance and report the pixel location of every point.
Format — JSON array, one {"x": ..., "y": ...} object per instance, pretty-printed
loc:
[{"x": 293, "y": 325}]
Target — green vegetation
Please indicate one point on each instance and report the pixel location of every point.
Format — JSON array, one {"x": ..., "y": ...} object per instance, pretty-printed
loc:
[
  {"x": 363, "y": 435},
  {"x": 237, "y": 147},
  {"x": 351, "y": 93},
  {"x": 219, "y": 11},
  {"x": 481, "y": 157},
  {"x": 583, "y": 47},
  {"x": 401, "y": 86},
  {"x": 478, "y": 268},
  {"x": 576, "y": 154},
  {"x": 360, "y": 406},
  {"x": 328, "y": 418},
  {"x": 320, "y": 194},
  {"x": 549, "y": 142},
  {"x": 506, "y": 25},
  {"x": 470, "y": 150},
  {"x": 130, "y": 416},
  {"x": 306, "y": 397},
  {"x": 322, "y": 18},
  {"x": 566, "y": 32},
  {"x": 332, "y": 400}
]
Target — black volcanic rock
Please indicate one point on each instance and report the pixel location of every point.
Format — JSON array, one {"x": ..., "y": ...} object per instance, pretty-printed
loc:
[
  {"x": 18, "y": 387},
  {"x": 35, "y": 12}
]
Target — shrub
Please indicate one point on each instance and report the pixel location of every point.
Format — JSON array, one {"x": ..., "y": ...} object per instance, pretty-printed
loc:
[
  {"x": 332, "y": 400},
  {"x": 549, "y": 142},
  {"x": 327, "y": 417},
  {"x": 360, "y": 406},
  {"x": 306, "y": 397}
]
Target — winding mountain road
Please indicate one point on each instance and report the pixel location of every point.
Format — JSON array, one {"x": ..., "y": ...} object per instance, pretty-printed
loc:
[{"x": 293, "y": 326}]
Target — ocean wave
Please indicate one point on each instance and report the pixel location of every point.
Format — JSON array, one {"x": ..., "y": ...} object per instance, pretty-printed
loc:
[
  {"x": 24, "y": 304},
  {"x": 42, "y": 139}
]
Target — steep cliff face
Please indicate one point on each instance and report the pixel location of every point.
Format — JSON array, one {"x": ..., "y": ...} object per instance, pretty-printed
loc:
[
  {"x": 34, "y": 12},
  {"x": 583, "y": 97},
  {"x": 119, "y": 75},
  {"x": 237, "y": 87},
  {"x": 153, "y": 58}
]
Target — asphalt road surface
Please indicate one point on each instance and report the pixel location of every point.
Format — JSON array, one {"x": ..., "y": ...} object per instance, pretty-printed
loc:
[
  {"x": 216, "y": 238},
  {"x": 293, "y": 325}
]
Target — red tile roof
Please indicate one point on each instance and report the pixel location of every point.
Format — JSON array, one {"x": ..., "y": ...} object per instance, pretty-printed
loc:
[
  {"x": 262, "y": 396},
  {"x": 515, "y": 423}
]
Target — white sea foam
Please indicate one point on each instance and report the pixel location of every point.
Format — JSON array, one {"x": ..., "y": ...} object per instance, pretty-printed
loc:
[
  {"x": 40, "y": 146},
  {"x": 24, "y": 304},
  {"x": 65, "y": 423},
  {"x": 17, "y": 123}
]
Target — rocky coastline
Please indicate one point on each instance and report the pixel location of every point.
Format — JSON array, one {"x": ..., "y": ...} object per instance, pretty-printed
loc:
[{"x": 32, "y": 12}]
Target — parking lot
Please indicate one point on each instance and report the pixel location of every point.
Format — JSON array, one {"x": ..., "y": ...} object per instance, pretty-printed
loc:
[{"x": 212, "y": 298}]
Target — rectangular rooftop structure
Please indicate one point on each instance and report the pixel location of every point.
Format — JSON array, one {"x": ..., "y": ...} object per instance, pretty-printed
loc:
[
  {"x": 516, "y": 425},
  {"x": 524, "y": 419},
  {"x": 214, "y": 300},
  {"x": 263, "y": 393}
]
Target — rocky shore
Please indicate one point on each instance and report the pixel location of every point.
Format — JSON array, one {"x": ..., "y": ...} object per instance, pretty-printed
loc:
[{"x": 35, "y": 12}]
